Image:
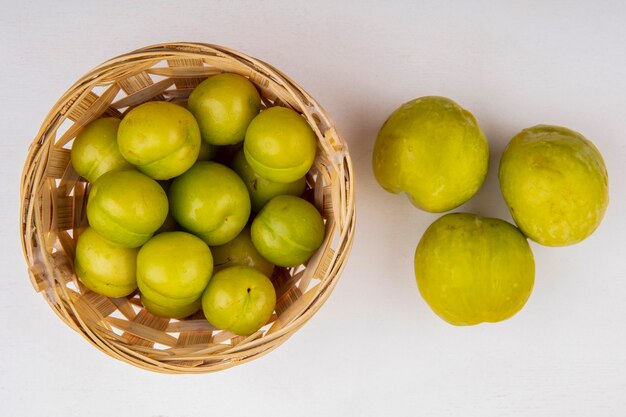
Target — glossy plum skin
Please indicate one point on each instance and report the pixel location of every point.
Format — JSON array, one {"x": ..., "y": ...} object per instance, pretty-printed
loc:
[
  {"x": 162, "y": 139},
  {"x": 432, "y": 150},
  {"x": 224, "y": 105},
  {"x": 95, "y": 152},
  {"x": 171, "y": 311},
  {"x": 555, "y": 184},
  {"x": 104, "y": 267},
  {"x": 239, "y": 299},
  {"x": 240, "y": 252},
  {"x": 261, "y": 190},
  {"x": 211, "y": 201},
  {"x": 471, "y": 269},
  {"x": 288, "y": 231},
  {"x": 280, "y": 145},
  {"x": 126, "y": 207},
  {"x": 173, "y": 269}
]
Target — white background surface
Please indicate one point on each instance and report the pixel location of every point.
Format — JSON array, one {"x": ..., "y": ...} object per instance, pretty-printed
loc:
[{"x": 374, "y": 348}]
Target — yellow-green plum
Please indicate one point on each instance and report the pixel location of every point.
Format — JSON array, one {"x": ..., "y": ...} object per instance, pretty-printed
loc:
[
  {"x": 471, "y": 269},
  {"x": 126, "y": 207},
  {"x": 280, "y": 145},
  {"x": 211, "y": 201},
  {"x": 173, "y": 312},
  {"x": 262, "y": 190},
  {"x": 173, "y": 269},
  {"x": 162, "y": 139},
  {"x": 239, "y": 299},
  {"x": 555, "y": 184},
  {"x": 224, "y": 105},
  {"x": 104, "y": 267},
  {"x": 95, "y": 152},
  {"x": 240, "y": 252},
  {"x": 434, "y": 151},
  {"x": 287, "y": 231}
]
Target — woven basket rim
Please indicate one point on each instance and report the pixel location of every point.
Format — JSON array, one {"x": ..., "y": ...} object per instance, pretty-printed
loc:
[{"x": 35, "y": 168}]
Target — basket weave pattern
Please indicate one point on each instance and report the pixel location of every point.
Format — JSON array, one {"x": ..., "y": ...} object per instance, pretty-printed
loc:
[{"x": 53, "y": 213}]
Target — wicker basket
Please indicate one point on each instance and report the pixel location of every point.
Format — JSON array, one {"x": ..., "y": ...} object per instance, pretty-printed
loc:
[{"x": 54, "y": 202}]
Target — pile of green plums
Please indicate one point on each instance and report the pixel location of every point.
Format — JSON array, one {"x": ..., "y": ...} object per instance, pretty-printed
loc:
[
  {"x": 187, "y": 231},
  {"x": 471, "y": 269}
]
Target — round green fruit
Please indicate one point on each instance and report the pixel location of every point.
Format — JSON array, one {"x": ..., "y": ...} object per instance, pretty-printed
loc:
[
  {"x": 162, "y": 139},
  {"x": 173, "y": 312},
  {"x": 224, "y": 105},
  {"x": 95, "y": 152},
  {"x": 434, "y": 151},
  {"x": 211, "y": 201},
  {"x": 280, "y": 145},
  {"x": 239, "y": 299},
  {"x": 288, "y": 231},
  {"x": 173, "y": 269},
  {"x": 555, "y": 183},
  {"x": 126, "y": 207},
  {"x": 104, "y": 267},
  {"x": 240, "y": 252},
  {"x": 471, "y": 269},
  {"x": 262, "y": 190}
]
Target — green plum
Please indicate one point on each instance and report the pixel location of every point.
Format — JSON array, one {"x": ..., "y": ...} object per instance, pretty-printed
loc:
[
  {"x": 555, "y": 183},
  {"x": 162, "y": 139},
  {"x": 95, "y": 152},
  {"x": 287, "y": 231},
  {"x": 434, "y": 151},
  {"x": 104, "y": 267},
  {"x": 262, "y": 190},
  {"x": 211, "y": 201},
  {"x": 224, "y": 105},
  {"x": 174, "y": 312},
  {"x": 240, "y": 251},
  {"x": 471, "y": 269},
  {"x": 239, "y": 299},
  {"x": 173, "y": 269},
  {"x": 280, "y": 145},
  {"x": 126, "y": 207}
]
